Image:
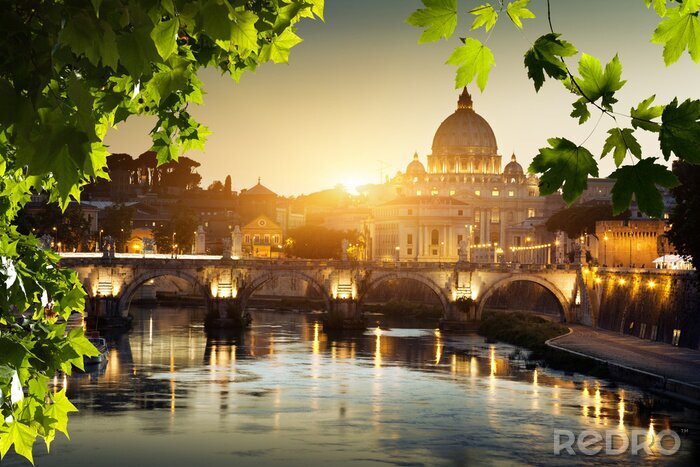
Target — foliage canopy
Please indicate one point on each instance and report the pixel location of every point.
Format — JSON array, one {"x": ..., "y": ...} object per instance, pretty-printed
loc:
[
  {"x": 69, "y": 70},
  {"x": 565, "y": 165}
]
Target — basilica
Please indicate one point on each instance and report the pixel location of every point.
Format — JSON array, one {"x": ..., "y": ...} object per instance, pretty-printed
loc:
[{"x": 463, "y": 198}]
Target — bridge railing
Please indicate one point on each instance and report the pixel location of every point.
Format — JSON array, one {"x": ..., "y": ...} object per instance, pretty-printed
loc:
[{"x": 323, "y": 263}]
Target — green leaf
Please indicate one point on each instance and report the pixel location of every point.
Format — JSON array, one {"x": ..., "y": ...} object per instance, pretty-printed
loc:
[
  {"x": 641, "y": 180},
  {"x": 137, "y": 51},
  {"x": 80, "y": 344},
  {"x": 278, "y": 49},
  {"x": 680, "y": 130},
  {"x": 486, "y": 16},
  {"x": 595, "y": 83},
  {"x": 581, "y": 111},
  {"x": 518, "y": 10},
  {"x": 243, "y": 32},
  {"x": 79, "y": 34},
  {"x": 473, "y": 59},
  {"x": 643, "y": 115},
  {"x": 564, "y": 165},
  {"x": 659, "y": 6},
  {"x": 439, "y": 17},
  {"x": 545, "y": 56},
  {"x": 164, "y": 36},
  {"x": 22, "y": 437},
  {"x": 678, "y": 31},
  {"x": 216, "y": 20},
  {"x": 619, "y": 141},
  {"x": 59, "y": 410}
]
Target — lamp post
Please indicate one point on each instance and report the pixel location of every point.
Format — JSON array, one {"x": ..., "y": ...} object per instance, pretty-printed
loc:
[
  {"x": 99, "y": 239},
  {"x": 398, "y": 253}
]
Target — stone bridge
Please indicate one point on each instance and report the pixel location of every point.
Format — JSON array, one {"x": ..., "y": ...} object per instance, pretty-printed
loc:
[{"x": 227, "y": 284}]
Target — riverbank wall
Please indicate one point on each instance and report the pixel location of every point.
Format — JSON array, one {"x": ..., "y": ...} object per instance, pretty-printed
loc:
[
  {"x": 654, "y": 304},
  {"x": 658, "y": 384}
]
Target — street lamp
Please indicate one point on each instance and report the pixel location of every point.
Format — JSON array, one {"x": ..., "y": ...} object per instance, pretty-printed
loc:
[{"x": 398, "y": 252}]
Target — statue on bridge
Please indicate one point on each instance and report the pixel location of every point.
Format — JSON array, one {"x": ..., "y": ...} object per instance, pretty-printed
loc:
[
  {"x": 463, "y": 251},
  {"x": 148, "y": 245},
  {"x": 236, "y": 242},
  {"x": 45, "y": 241},
  {"x": 200, "y": 243},
  {"x": 344, "y": 249},
  {"x": 108, "y": 247},
  {"x": 226, "y": 253}
]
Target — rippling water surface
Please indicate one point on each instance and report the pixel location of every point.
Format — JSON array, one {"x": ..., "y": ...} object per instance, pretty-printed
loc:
[{"x": 287, "y": 393}]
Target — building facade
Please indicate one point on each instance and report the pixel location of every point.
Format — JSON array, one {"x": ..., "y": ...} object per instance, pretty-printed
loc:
[{"x": 463, "y": 195}]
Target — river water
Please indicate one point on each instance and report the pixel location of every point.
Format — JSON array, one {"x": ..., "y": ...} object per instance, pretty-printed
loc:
[{"x": 287, "y": 393}]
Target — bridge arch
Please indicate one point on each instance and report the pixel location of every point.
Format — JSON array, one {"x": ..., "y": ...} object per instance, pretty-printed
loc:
[
  {"x": 249, "y": 289},
  {"x": 130, "y": 289},
  {"x": 564, "y": 303},
  {"x": 431, "y": 284}
]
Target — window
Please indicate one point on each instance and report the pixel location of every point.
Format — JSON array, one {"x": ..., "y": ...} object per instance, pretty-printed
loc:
[
  {"x": 495, "y": 215},
  {"x": 460, "y": 212},
  {"x": 276, "y": 239},
  {"x": 477, "y": 192},
  {"x": 516, "y": 240},
  {"x": 434, "y": 191},
  {"x": 665, "y": 215},
  {"x": 530, "y": 212},
  {"x": 495, "y": 192},
  {"x": 460, "y": 238},
  {"x": 434, "y": 237},
  {"x": 410, "y": 212},
  {"x": 267, "y": 239},
  {"x": 409, "y": 251},
  {"x": 256, "y": 239},
  {"x": 532, "y": 193},
  {"x": 511, "y": 193},
  {"x": 434, "y": 252},
  {"x": 419, "y": 192},
  {"x": 477, "y": 215},
  {"x": 409, "y": 239},
  {"x": 246, "y": 239},
  {"x": 452, "y": 192}
]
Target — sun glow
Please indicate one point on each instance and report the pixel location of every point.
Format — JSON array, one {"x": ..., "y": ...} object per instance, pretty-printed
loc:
[{"x": 352, "y": 183}]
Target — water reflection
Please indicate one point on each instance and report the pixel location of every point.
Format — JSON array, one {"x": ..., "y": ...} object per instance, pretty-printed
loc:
[{"x": 286, "y": 388}]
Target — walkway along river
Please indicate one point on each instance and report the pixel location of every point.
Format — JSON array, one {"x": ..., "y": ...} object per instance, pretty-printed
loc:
[{"x": 286, "y": 393}]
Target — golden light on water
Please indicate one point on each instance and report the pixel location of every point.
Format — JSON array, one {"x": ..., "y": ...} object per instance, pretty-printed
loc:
[
  {"x": 492, "y": 359},
  {"x": 534, "y": 377},
  {"x": 621, "y": 413},
  {"x": 586, "y": 397},
  {"x": 597, "y": 405},
  {"x": 378, "y": 347},
  {"x": 438, "y": 347},
  {"x": 316, "y": 345}
]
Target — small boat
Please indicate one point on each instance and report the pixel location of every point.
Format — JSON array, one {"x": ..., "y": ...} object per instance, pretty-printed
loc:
[{"x": 101, "y": 345}]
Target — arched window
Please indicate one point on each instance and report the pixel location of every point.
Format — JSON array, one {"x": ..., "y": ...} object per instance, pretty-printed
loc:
[{"x": 434, "y": 237}]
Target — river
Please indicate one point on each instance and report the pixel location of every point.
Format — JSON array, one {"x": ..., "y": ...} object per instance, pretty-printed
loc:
[{"x": 286, "y": 393}]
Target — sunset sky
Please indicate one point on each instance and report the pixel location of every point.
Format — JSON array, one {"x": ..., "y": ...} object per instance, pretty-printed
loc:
[{"x": 360, "y": 90}]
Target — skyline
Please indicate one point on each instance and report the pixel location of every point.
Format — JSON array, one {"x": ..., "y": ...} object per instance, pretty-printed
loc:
[{"x": 342, "y": 113}]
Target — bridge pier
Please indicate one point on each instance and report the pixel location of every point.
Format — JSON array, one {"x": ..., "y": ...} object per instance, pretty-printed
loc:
[
  {"x": 226, "y": 313},
  {"x": 460, "y": 315},
  {"x": 102, "y": 311},
  {"x": 344, "y": 313}
]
